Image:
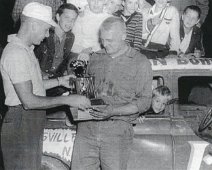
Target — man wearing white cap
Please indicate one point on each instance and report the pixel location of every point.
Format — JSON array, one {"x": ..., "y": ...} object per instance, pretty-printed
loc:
[{"x": 23, "y": 125}]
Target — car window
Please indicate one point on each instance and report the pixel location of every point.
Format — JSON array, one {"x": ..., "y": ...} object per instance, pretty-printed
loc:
[{"x": 195, "y": 90}]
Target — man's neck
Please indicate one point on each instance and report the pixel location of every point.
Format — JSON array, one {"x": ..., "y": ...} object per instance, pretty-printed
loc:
[
  {"x": 24, "y": 38},
  {"x": 122, "y": 51},
  {"x": 187, "y": 30}
]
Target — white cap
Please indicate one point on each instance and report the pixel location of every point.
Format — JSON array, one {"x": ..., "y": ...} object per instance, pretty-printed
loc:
[{"x": 40, "y": 12}]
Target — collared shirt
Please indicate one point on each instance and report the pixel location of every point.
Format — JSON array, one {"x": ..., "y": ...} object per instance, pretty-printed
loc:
[
  {"x": 123, "y": 80},
  {"x": 19, "y": 64},
  {"x": 185, "y": 42}
]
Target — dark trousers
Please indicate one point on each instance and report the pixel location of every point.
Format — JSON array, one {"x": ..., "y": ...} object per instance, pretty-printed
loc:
[{"x": 21, "y": 138}]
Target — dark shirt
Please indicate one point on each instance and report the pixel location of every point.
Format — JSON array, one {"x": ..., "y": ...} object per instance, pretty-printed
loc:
[
  {"x": 53, "y": 55},
  {"x": 196, "y": 39}
]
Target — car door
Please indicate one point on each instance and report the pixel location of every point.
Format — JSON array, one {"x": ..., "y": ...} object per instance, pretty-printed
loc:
[
  {"x": 187, "y": 115},
  {"x": 153, "y": 144}
]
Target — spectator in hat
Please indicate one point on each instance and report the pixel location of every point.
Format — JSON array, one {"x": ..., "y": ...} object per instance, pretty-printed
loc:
[{"x": 23, "y": 124}]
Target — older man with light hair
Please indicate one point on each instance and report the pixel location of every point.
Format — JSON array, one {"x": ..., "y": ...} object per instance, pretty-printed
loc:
[{"x": 123, "y": 78}]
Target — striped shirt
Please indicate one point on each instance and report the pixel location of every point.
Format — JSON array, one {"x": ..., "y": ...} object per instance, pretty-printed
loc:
[{"x": 134, "y": 24}]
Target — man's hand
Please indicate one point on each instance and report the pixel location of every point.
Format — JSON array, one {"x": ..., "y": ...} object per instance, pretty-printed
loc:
[
  {"x": 102, "y": 113},
  {"x": 79, "y": 101},
  {"x": 85, "y": 55},
  {"x": 66, "y": 81}
]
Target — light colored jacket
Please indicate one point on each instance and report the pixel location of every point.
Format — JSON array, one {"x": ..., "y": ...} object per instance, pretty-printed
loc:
[{"x": 168, "y": 30}]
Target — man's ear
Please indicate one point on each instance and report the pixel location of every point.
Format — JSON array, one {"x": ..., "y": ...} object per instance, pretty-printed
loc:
[
  {"x": 182, "y": 16},
  {"x": 34, "y": 26}
]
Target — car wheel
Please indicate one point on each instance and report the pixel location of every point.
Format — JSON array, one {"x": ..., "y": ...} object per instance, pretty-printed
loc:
[
  {"x": 206, "y": 121},
  {"x": 51, "y": 163}
]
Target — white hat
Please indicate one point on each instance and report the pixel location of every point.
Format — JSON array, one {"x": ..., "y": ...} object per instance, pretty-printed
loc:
[{"x": 40, "y": 12}]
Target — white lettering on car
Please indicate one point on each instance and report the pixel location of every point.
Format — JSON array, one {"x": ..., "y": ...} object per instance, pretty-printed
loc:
[
  {"x": 196, "y": 155},
  {"x": 59, "y": 143},
  {"x": 179, "y": 63}
]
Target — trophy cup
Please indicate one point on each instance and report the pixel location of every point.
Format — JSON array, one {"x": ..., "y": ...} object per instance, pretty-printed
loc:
[{"x": 83, "y": 85}]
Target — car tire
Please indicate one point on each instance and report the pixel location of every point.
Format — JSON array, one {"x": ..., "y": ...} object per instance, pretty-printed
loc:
[{"x": 51, "y": 163}]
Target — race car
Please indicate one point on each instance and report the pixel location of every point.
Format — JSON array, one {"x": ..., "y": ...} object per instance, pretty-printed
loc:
[{"x": 178, "y": 139}]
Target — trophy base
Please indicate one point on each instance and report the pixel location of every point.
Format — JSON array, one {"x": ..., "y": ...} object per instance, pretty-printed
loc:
[{"x": 84, "y": 115}]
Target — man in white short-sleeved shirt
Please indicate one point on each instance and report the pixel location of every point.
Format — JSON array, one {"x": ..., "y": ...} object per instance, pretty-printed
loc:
[{"x": 23, "y": 125}]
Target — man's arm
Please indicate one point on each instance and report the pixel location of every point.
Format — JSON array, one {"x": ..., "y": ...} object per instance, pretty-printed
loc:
[
  {"x": 174, "y": 30},
  {"x": 143, "y": 86},
  {"x": 31, "y": 101},
  {"x": 60, "y": 81}
]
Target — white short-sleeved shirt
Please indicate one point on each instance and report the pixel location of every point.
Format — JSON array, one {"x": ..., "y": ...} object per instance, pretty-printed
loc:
[
  {"x": 86, "y": 29},
  {"x": 19, "y": 64}
]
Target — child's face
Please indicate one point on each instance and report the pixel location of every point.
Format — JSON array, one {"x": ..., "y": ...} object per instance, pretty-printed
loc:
[
  {"x": 190, "y": 18},
  {"x": 113, "y": 6},
  {"x": 67, "y": 19},
  {"x": 131, "y": 6},
  {"x": 159, "y": 103},
  {"x": 96, "y": 6}
]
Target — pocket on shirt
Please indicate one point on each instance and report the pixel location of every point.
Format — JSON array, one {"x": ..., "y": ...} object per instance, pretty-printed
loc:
[{"x": 168, "y": 20}]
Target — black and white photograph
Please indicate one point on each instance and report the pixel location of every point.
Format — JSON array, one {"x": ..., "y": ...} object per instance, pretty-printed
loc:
[{"x": 105, "y": 85}]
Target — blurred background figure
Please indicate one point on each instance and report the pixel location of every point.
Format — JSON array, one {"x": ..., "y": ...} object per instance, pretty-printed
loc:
[
  {"x": 87, "y": 26},
  {"x": 161, "y": 33},
  {"x": 190, "y": 33},
  {"x": 207, "y": 29},
  {"x": 202, "y": 4},
  {"x": 113, "y": 6},
  {"x": 133, "y": 21}
]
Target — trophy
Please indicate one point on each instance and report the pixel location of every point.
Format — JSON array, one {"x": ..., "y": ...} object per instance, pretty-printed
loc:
[{"x": 83, "y": 84}]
